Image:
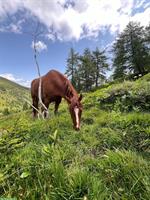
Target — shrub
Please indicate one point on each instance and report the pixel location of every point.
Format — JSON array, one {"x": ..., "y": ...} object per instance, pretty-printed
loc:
[
  {"x": 124, "y": 97},
  {"x": 25, "y": 106},
  {"x": 6, "y": 111}
]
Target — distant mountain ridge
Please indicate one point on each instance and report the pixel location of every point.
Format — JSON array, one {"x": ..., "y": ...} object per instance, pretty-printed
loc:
[
  {"x": 12, "y": 95},
  {"x": 6, "y": 81}
]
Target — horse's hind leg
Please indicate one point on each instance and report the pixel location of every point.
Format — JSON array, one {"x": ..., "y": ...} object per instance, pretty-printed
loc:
[
  {"x": 57, "y": 102},
  {"x": 46, "y": 104},
  {"x": 35, "y": 106}
]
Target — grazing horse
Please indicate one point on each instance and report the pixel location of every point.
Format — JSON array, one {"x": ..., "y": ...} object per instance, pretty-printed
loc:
[{"x": 54, "y": 87}]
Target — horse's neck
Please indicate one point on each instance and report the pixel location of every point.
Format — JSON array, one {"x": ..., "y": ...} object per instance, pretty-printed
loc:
[{"x": 70, "y": 92}]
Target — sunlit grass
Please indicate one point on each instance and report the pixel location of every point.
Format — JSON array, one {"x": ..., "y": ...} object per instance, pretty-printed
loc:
[{"x": 46, "y": 159}]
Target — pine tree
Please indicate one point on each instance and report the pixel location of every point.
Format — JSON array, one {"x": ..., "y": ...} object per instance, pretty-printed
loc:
[
  {"x": 147, "y": 43},
  {"x": 72, "y": 65},
  {"x": 100, "y": 66},
  {"x": 147, "y": 35},
  {"x": 130, "y": 51},
  {"x": 86, "y": 70},
  {"x": 119, "y": 59},
  {"x": 136, "y": 46}
]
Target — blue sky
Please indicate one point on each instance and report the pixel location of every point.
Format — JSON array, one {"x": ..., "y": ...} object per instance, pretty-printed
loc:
[{"x": 65, "y": 24}]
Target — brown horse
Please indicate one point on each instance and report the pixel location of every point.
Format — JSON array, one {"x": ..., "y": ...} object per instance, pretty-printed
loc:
[{"x": 54, "y": 87}]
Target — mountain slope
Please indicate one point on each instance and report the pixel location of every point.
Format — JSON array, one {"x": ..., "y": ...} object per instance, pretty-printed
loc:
[
  {"x": 12, "y": 95},
  {"x": 125, "y": 97},
  {"x": 109, "y": 158}
]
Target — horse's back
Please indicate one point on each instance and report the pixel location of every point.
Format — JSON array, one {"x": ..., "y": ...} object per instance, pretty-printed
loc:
[
  {"x": 53, "y": 83},
  {"x": 54, "y": 77}
]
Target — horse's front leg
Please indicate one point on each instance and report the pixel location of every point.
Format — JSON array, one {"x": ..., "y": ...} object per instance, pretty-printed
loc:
[{"x": 57, "y": 102}]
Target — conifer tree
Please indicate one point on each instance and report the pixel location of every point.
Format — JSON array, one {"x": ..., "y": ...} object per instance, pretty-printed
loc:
[
  {"x": 86, "y": 70},
  {"x": 72, "y": 65},
  {"x": 100, "y": 66},
  {"x": 130, "y": 52}
]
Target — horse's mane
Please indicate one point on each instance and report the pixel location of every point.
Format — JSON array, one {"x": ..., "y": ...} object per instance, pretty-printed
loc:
[{"x": 70, "y": 90}]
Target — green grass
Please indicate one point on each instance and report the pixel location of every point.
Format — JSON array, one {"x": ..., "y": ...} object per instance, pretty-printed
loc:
[
  {"x": 109, "y": 158},
  {"x": 126, "y": 96},
  {"x": 12, "y": 96}
]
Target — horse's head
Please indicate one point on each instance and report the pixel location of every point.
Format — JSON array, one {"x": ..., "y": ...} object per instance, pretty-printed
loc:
[{"x": 75, "y": 109}]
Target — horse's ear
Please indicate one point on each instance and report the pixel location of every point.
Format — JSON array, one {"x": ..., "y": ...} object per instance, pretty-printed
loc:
[{"x": 80, "y": 97}]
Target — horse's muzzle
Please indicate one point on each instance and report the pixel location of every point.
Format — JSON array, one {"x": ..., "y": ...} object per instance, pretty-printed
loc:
[{"x": 77, "y": 128}]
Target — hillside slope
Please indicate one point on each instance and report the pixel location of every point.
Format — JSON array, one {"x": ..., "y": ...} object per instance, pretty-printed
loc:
[
  {"x": 109, "y": 159},
  {"x": 124, "y": 97},
  {"x": 12, "y": 95}
]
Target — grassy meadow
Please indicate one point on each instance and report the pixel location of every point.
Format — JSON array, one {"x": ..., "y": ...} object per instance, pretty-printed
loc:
[
  {"x": 12, "y": 97},
  {"x": 108, "y": 159}
]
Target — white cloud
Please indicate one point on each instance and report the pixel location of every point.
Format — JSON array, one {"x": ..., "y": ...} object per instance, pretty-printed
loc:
[
  {"x": 9, "y": 7},
  {"x": 82, "y": 18},
  {"x": 142, "y": 17},
  {"x": 146, "y": 5},
  {"x": 20, "y": 81},
  {"x": 50, "y": 36},
  {"x": 139, "y": 3},
  {"x": 12, "y": 27},
  {"x": 40, "y": 46}
]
